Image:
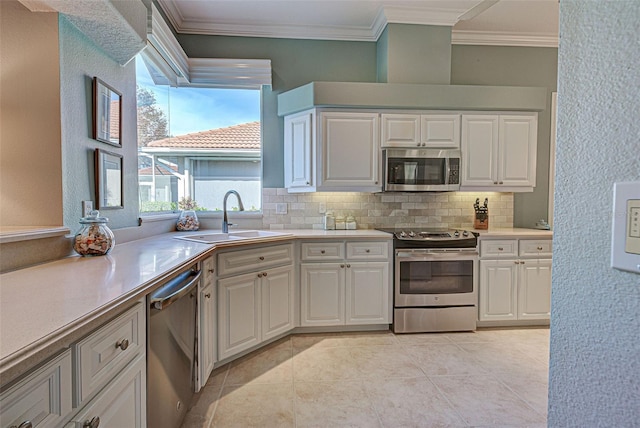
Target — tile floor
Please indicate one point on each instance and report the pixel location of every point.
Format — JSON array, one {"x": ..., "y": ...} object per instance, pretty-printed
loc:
[{"x": 488, "y": 378}]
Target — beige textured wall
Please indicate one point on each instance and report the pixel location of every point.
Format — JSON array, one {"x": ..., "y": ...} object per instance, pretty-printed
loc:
[{"x": 30, "y": 147}]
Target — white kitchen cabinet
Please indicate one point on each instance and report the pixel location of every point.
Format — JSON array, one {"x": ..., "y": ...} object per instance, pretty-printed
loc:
[
  {"x": 352, "y": 291},
  {"x": 208, "y": 344},
  {"x": 512, "y": 288},
  {"x": 499, "y": 152},
  {"x": 121, "y": 404},
  {"x": 299, "y": 137},
  {"x": 420, "y": 130},
  {"x": 339, "y": 151},
  {"x": 256, "y": 303},
  {"x": 43, "y": 397}
]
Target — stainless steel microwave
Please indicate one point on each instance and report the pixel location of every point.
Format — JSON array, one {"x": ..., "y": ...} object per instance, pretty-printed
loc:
[{"x": 421, "y": 170}]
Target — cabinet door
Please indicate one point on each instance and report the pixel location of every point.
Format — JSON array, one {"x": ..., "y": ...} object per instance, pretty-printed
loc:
[
  {"x": 43, "y": 397},
  {"x": 322, "y": 288},
  {"x": 517, "y": 154},
  {"x": 277, "y": 301},
  {"x": 400, "y": 130},
  {"x": 298, "y": 151},
  {"x": 208, "y": 333},
  {"x": 122, "y": 403},
  {"x": 479, "y": 150},
  {"x": 440, "y": 130},
  {"x": 498, "y": 279},
  {"x": 367, "y": 293},
  {"x": 239, "y": 314},
  {"x": 534, "y": 290},
  {"x": 350, "y": 151}
]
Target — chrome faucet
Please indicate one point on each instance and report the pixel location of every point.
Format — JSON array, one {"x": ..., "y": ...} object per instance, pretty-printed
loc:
[{"x": 225, "y": 221}]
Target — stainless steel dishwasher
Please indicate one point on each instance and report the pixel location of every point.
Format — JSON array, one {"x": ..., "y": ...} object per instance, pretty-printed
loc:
[{"x": 172, "y": 362}]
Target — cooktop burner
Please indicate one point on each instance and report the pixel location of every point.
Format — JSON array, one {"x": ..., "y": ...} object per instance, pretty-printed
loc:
[{"x": 432, "y": 238}]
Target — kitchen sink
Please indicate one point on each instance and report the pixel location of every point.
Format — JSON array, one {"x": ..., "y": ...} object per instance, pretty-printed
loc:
[{"x": 212, "y": 238}]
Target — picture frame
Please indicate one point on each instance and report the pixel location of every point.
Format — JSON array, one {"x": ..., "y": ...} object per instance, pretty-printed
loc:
[
  {"x": 109, "y": 179},
  {"x": 107, "y": 113}
]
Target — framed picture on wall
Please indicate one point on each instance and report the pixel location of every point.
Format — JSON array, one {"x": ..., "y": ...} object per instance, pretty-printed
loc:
[
  {"x": 109, "y": 180},
  {"x": 107, "y": 113}
]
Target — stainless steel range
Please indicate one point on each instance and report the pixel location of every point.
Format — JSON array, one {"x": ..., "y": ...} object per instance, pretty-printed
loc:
[{"x": 435, "y": 280}]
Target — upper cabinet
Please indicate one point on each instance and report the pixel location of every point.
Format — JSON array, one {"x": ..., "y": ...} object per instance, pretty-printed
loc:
[
  {"x": 499, "y": 152},
  {"x": 421, "y": 130},
  {"x": 332, "y": 151}
]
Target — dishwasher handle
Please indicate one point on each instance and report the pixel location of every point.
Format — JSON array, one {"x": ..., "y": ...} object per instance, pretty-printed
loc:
[{"x": 174, "y": 290}]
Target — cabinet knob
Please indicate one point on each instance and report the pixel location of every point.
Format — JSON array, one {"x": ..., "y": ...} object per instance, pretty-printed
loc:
[
  {"x": 539, "y": 248},
  {"x": 208, "y": 295},
  {"x": 211, "y": 270},
  {"x": 122, "y": 344},
  {"x": 367, "y": 250},
  {"x": 264, "y": 274},
  {"x": 376, "y": 182},
  {"x": 25, "y": 424},
  {"x": 93, "y": 423},
  {"x": 500, "y": 248},
  {"x": 342, "y": 266},
  {"x": 522, "y": 262},
  {"x": 322, "y": 251},
  {"x": 516, "y": 262},
  {"x": 500, "y": 182},
  {"x": 261, "y": 258},
  {"x": 495, "y": 182},
  {"x": 260, "y": 275},
  {"x": 348, "y": 266},
  {"x": 308, "y": 183}
]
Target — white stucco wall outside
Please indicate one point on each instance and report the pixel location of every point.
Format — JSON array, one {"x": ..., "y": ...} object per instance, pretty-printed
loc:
[{"x": 595, "y": 316}]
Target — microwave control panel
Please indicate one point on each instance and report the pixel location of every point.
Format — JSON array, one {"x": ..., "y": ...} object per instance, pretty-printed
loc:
[{"x": 625, "y": 244}]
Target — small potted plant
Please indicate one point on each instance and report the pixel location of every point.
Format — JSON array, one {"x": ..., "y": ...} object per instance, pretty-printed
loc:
[{"x": 188, "y": 219}]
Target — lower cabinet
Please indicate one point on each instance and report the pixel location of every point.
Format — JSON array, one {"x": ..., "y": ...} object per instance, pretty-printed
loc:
[
  {"x": 254, "y": 307},
  {"x": 121, "y": 404},
  {"x": 515, "y": 289},
  {"x": 207, "y": 343},
  {"x": 344, "y": 293},
  {"x": 99, "y": 381}
]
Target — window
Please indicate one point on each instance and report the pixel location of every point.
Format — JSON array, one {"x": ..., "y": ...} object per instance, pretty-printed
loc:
[{"x": 197, "y": 143}]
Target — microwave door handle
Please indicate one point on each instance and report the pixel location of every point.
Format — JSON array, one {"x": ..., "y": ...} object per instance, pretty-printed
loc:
[{"x": 448, "y": 170}]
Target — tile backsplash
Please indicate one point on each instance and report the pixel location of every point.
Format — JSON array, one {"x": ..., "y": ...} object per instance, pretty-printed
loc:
[{"x": 428, "y": 209}]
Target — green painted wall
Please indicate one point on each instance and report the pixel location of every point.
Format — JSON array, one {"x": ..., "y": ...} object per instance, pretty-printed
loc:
[
  {"x": 297, "y": 62},
  {"x": 293, "y": 63},
  {"x": 515, "y": 66}
]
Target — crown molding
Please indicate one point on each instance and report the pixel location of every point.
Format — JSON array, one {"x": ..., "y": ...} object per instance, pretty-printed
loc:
[{"x": 491, "y": 38}]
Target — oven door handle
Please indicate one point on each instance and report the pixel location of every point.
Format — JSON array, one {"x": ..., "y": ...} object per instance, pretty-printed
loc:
[{"x": 432, "y": 254}]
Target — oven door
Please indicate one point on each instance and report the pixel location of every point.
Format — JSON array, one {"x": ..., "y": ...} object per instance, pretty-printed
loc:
[{"x": 436, "y": 277}]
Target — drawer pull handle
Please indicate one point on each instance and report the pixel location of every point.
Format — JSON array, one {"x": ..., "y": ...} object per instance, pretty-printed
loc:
[
  {"x": 261, "y": 258},
  {"x": 367, "y": 250},
  {"x": 208, "y": 295},
  {"x": 122, "y": 344},
  {"x": 521, "y": 263},
  {"x": 539, "y": 248},
  {"x": 25, "y": 424},
  {"x": 348, "y": 266},
  {"x": 264, "y": 274},
  {"x": 93, "y": 423},
  {"x": 516, "y": 262},
  {"x": 322, "y": 251},
  {"x": 342, "y": 266},
  {"x": 259, "y": 275},
  {"x": 500, "y": 248}
]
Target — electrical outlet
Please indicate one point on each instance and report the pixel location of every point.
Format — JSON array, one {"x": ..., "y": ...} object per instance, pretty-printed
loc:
[
  {"x": 322, "y": 208},
  {"x": 87, "y": 207},
  {"x": 281, "y": 208}
]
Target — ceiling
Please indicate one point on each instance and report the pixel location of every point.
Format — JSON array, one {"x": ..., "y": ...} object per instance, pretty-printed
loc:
[{"x": 487, "y": 22}]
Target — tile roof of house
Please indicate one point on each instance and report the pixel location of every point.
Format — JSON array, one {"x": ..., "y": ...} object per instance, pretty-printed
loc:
[{"x": 245, "y": 136}]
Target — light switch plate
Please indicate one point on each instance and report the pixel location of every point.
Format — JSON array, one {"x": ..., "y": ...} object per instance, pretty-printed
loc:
[
  {"x": 625, "y": 240},
  {"x": 87, "y": 207}
]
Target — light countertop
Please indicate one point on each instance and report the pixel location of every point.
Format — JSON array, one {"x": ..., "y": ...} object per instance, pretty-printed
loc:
[
  {"x": 44, "y": 308},
  {"x": 514, "y": 233}
]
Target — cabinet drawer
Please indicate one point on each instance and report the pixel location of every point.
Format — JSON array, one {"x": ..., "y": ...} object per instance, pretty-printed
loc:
[
  {"x": 535, "y": 247},
  {"x": 43, "y": 397},
  {"x": 102, "y": 354},
  {"x": 367, "y": 250},
  {"x": 499, "y": 248},
  {"x": 253, "y": 259},
  {"x": 322, "y": 251}
]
